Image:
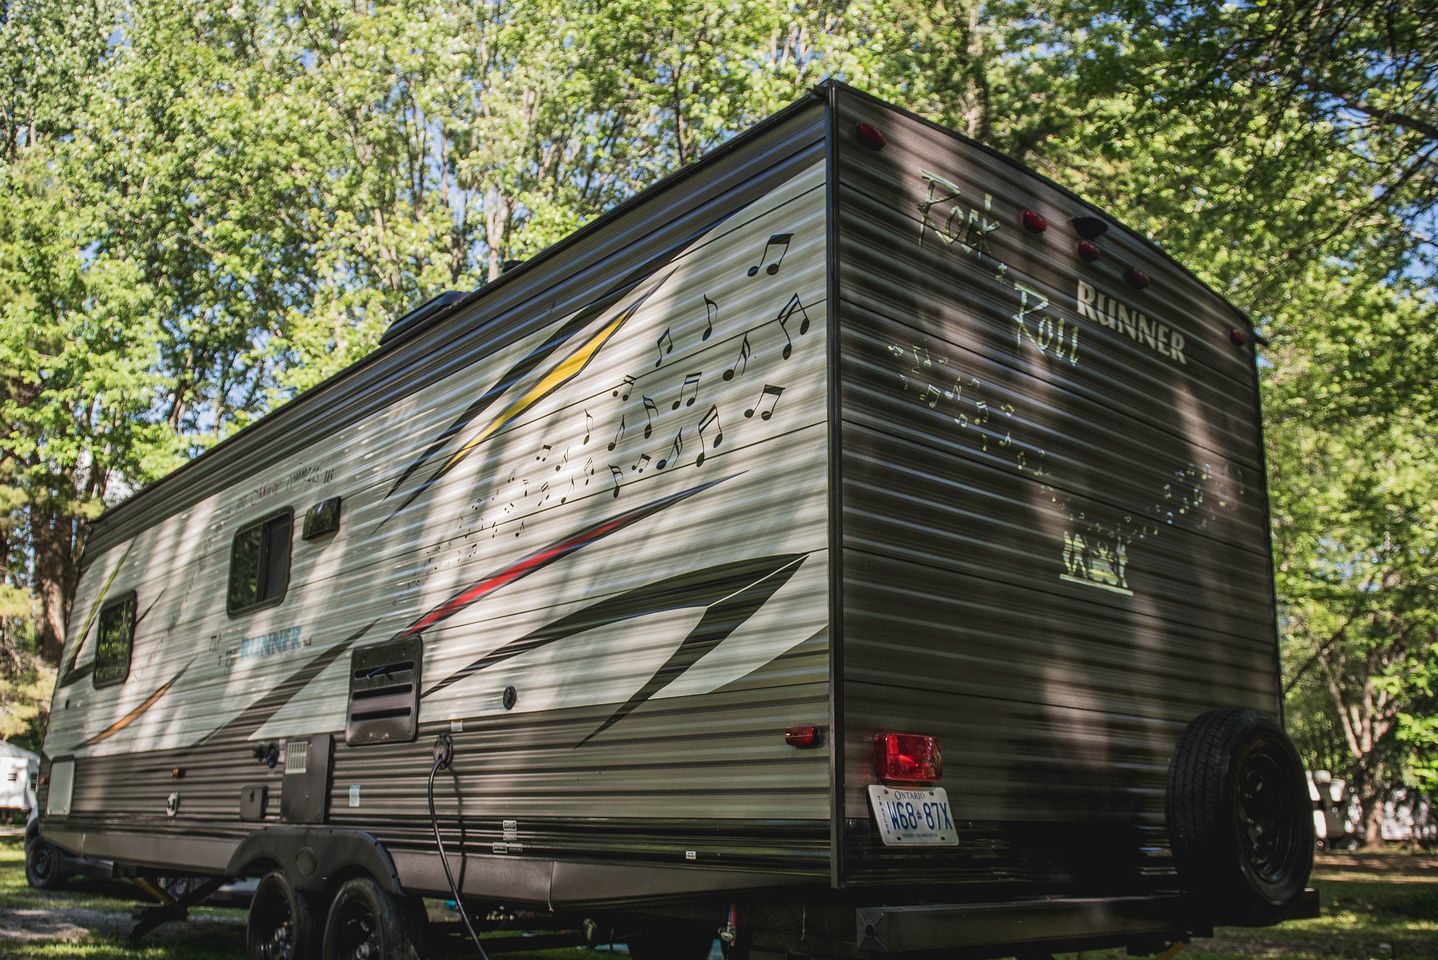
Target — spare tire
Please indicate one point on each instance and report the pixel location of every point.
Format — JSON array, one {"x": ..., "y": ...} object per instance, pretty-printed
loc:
[{"x": 1239, "y": 818}]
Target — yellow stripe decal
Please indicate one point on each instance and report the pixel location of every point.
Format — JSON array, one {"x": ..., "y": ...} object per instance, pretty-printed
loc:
[
  {"x": 95, "y": 607},
  {"x": 567, "y": 368}
]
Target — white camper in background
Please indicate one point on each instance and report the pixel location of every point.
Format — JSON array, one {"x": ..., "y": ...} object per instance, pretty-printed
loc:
[
  {"x": 1334, "y": 824},
  {"x": 19, "y": 769},
  {"x": 855, "y": 543}
]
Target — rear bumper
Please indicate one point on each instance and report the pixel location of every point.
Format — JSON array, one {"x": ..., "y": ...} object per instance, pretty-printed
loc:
[{"x": 1053, "y": 924}]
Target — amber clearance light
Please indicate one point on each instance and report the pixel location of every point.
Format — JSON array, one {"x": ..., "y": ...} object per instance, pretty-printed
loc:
[{"x": 907, "y": 758}]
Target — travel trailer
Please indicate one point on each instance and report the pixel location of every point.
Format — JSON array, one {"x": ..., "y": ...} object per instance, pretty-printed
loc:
[
  {"x": 18, "y": 771},
  {"x": 1335, "y": 825},
  {"x": 854, "y": 544}
]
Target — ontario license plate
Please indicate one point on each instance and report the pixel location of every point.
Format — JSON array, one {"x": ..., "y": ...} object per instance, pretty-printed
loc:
[{"x": 913, "y": 818}]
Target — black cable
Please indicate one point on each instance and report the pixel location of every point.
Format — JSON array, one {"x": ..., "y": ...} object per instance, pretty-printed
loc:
[{"x": 443, "y": 753}]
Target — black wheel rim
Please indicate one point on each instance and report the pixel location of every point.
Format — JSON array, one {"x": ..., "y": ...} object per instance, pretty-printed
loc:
[
  {"x": 1265, "y": 815},
  {"x": 275, "y": 940},
  {"x": 42, "y": 861},
  {"x": 358, "y": 934}
]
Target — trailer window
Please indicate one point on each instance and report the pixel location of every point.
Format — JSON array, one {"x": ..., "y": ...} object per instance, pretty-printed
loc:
[
  {"x": 260, "y": 563},
  {"x": 112, "y": 650}
]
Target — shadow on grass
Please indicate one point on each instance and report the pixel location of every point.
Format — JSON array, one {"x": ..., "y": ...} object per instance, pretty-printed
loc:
[{"x": 1373, "y": 909}]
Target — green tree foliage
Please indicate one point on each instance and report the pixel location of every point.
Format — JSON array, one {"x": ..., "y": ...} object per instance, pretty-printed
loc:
[{"x": 208, "y": 207}]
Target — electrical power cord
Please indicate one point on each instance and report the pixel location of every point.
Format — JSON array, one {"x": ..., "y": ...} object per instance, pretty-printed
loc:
[{"x": 443, "y": 757}]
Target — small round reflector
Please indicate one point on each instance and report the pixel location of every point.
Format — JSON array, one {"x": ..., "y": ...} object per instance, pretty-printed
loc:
[
  {"x": 1136, "y": 278},
  {"x": 907, "y": 758},
  {"x": 1035, "y": 221},
  {"x": 804, "y": 735},
  {"x": 1238, "y": 337},
  {"x": 871, "y": 136},
  {"x": 1089, "y": 250}
]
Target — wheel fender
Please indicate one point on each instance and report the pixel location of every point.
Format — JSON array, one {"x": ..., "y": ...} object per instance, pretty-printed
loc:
[{"x": 316, "y": 859}]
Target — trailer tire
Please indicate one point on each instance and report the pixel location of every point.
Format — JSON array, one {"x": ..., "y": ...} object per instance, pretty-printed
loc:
[
  {"x": 672, "y": 941},
  {"x": 281, "y": 923},
  {"x": 1240, "y": 821},
  {"x": 44, "y": 865},
  {"x": 365, "y": 921}
]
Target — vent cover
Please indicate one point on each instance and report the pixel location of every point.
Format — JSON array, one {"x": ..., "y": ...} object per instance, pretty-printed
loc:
[{"x": 384, "y": 692}]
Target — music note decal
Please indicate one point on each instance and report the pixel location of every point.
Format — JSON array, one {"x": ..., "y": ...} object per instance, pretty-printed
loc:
[
  {"x": 640, "y": 464},
  {"x": 711, "y": 313},
  {"x": 675, "y": 450},
  {"x": 663, "y": 338},
  {"x": 627, "y": 385},
  {"x": 617, "y": 476},
  {"x": 690, "y": 380},
  {"x": 740, "y": 364},
  {"x": 780, "y": 240},
  {"x": 795, "y": 305},
  {"x": 770, "y": 393},
  {"x": 588, "y": 425},
  {"x": 618, "y": 436},
  {"x": 650, "y": 412},
  {"x": 710, "y": 419}
]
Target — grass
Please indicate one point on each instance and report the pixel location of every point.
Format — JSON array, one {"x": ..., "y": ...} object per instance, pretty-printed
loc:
[{"x": 1375, "y": 907}]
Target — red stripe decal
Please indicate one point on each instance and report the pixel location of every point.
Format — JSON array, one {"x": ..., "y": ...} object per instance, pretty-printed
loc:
[{"x": 546, "y": 556}]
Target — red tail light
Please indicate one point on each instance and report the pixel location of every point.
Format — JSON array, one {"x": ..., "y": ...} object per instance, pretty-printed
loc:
[
  {"x": 907, "y": 758},
  {"x": 804, "y": 735},
  {"x": 871, "y": 136}
]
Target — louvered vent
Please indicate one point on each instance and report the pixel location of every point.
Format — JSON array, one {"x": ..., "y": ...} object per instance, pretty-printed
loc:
[{"x": 384, "y": 692}]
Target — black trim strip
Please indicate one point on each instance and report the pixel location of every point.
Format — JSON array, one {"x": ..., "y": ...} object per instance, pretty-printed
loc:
[{"x": 718, "y": 622}]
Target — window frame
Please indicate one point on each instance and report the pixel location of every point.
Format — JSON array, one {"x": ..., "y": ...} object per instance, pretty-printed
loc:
[
  {"x": 133, "y": 601},
  {"x": 233, "y": 611}
]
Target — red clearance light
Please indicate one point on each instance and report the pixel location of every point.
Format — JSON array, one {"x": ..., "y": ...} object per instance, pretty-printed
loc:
[
  {"x": 1035, "y": 221},
  {"x": 1136, "y": 278},
  {"x": 804, "y": 735},
  {"x": 1089, "y": 250},
  {"x": 1238, "y": 337},
  {"x": 907, "y": 758},
  {"x": 872, "y": 136}
]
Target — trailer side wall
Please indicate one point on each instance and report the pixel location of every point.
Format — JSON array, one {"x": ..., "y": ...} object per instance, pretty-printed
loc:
[{"x": 596, "y": 496}]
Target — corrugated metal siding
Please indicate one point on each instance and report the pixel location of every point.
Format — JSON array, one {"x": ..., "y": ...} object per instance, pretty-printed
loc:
[
  {"x": 979, "y": 439},
  {"x": 556, "y": 511}
]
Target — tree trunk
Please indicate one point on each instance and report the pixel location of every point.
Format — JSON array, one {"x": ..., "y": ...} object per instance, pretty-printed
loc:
[
  {"x": 1368, "y": 789},
  {"x": 1371, "y": 829},
  {"x": 54, "y": 579}
]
